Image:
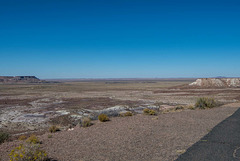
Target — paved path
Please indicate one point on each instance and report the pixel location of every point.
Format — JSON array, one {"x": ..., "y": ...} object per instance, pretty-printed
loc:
[{"x": 221, "y": 144}]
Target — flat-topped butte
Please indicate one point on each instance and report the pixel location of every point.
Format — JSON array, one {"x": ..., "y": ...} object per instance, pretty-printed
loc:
[{"x": 19, "y": 79}]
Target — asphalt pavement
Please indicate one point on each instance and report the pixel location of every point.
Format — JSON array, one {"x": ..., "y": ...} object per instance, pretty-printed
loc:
[{"x": 222, "y": 143}]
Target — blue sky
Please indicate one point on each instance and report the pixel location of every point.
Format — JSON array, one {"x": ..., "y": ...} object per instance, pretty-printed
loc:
[{"x": 120, "y": 38}]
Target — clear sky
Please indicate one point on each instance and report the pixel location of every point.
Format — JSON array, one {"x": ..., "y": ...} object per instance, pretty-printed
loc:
[{"x": 120, "y": 38}]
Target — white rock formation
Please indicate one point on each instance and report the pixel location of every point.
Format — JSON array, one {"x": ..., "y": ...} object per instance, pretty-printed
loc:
[{"x": 217, "y": 82}]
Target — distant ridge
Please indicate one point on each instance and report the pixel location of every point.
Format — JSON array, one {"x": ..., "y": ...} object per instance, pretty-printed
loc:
[{"x": 20, "y": 79}]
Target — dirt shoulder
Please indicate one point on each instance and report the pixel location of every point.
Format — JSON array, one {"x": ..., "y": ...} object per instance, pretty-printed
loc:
[{"x": 139, "y": 137}]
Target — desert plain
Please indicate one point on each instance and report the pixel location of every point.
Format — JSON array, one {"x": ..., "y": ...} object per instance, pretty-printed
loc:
[{"x": 27, "y": 109}]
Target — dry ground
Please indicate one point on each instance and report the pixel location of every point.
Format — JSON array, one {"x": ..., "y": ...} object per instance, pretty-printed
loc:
[
  {"x": 139, "y": 137},
  {"x": 33, "y": 107}
]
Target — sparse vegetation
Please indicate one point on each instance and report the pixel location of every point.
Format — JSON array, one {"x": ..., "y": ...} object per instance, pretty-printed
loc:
[
  {"x": 149, "y": 111},
  {"x": 180, "y": 107},
  {"x": 177, "y": 108},
  {"x": 53, "y": 129},
  {"x": 129, "y": 113},
  {"x": 103, "y": 118},
  {"x": 3, "y": 137},
  {"x": 49, "y": 136},
  {"x": 191, "y": 107},
  {"x": 22, "y": 137},
  {"x": 28, "y": 152},
  {"x": 169, "y": 110},
  {"x": 205, "y": 102},
  {"x": 86, "y": 122},
  {"x": 33, "y": 139}
]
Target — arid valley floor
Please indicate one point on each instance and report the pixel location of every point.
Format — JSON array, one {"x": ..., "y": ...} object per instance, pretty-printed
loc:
[{"x": 32, "y": 108}]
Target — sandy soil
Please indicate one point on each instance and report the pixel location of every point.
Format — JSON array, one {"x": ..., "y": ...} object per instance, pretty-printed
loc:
[{"x": 139, "y": 137}]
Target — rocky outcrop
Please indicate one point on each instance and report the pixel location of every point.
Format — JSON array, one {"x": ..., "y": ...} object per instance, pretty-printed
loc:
[
  {"x": 19, "y": 79},
  {"x": 217, "y": 82}
]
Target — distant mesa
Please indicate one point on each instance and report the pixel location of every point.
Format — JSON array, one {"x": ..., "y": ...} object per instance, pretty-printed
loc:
[
  {"x": 20, "y": 79},
  {"x": 217, "y": 82}
]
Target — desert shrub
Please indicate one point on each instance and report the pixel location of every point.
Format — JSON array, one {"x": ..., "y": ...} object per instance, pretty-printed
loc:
[
  {"x": 53, "y": 129},
  {"x": 22, "y": 137},
  {"x": 3, "y": 137},
  {"x": 179, "y": 108},
  {"x": 85, "y": 122},
  {"x": 49, "y": 136},
  {"x": 152, "y": 112},
  {"x": 205, "y": 102},
  {"x": 33, "y": 139},
  {"x": 103, "y": 118},
  {"x": 126, "y": 114},
  {"x": 191, "y": 107},
  {"x": 146, "y": 110},
  {"x": 28, "y": 152},
  {"x": 149, "y": 111}
]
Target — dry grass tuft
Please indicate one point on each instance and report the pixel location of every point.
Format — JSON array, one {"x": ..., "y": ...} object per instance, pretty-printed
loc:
[
  {"x": 180, "y": 107},
  {"x": 33, "y": 139},
  {"x": 103, "y": 118},
  {"x": 205, "y": 102},
  {"x": 86, "y": 122},
  {"x": 54, "y": 129},
  {"x": 149, "y": 111},
  {"x": 191, "y": 107},
  {"x": 126, "y": 114},
  {"x": 22, "y": 137}
]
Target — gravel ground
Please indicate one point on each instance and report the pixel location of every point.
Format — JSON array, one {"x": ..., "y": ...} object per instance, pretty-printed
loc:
[{"x": 139, "y": 137}]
